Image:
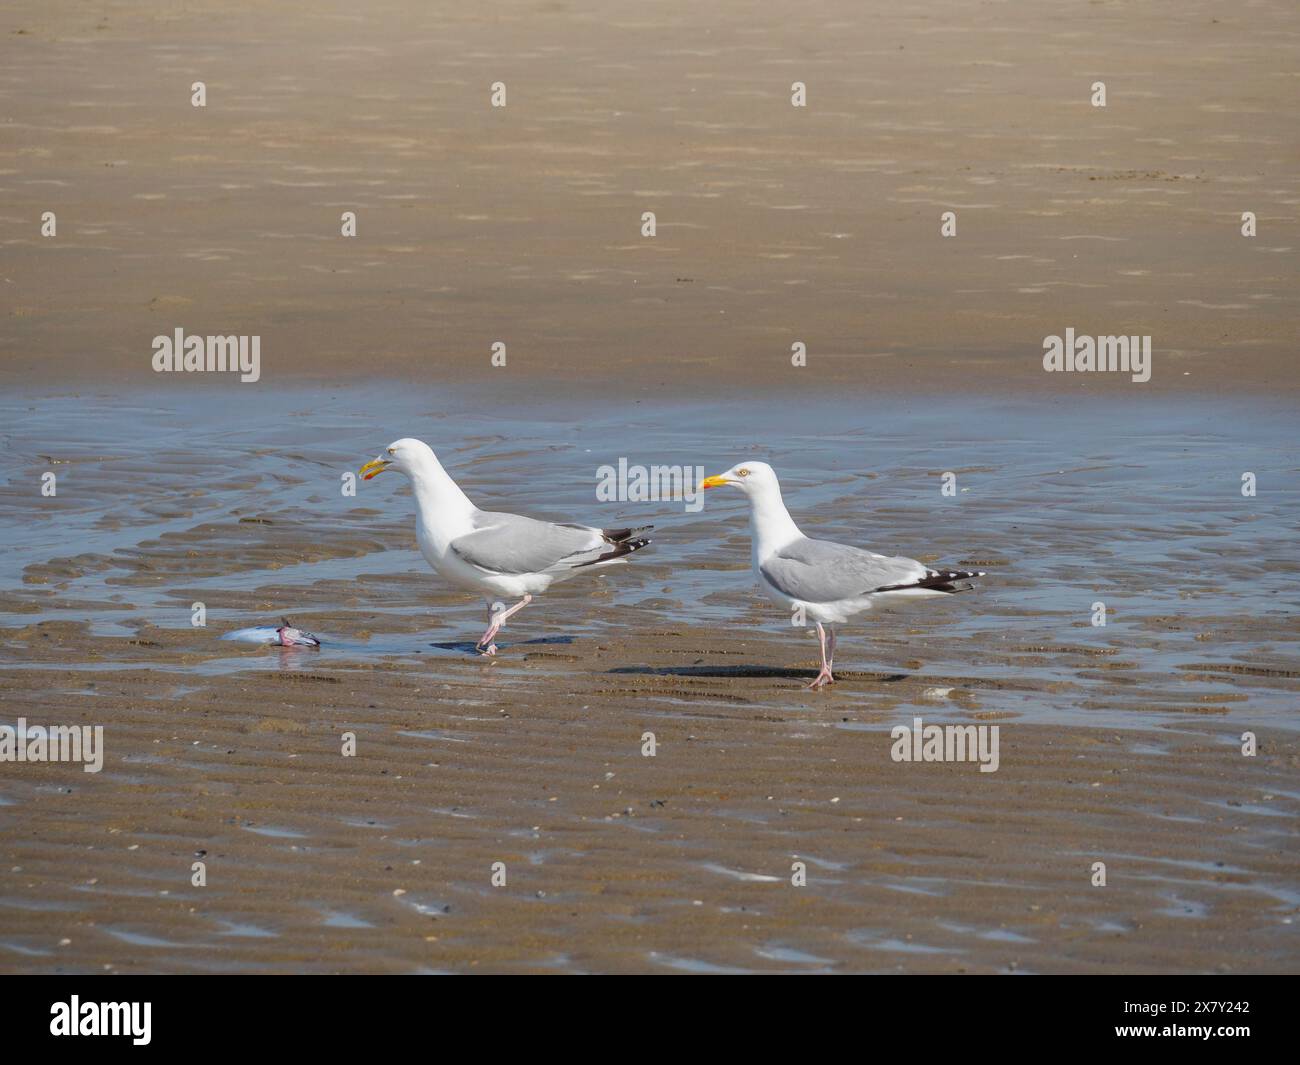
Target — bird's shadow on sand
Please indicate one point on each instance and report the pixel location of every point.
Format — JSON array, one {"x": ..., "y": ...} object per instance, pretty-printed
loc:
[
  {"x": 757, "y": 672},
  {"x": 469, "y": 647}
]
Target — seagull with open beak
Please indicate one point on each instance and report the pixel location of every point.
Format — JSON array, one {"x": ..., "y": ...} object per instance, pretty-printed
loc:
[{"x": 819, "y": 579}]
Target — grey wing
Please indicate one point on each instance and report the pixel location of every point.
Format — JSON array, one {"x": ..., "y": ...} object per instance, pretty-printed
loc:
[
  {"x": 512, "y": 543},
  {"x": 819, "y": 571}
]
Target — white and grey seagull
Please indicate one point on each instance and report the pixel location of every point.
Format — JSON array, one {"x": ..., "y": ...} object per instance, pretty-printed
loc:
[
  {"x": 830, "y": 582},
  {"x": 495, "y": 554}
]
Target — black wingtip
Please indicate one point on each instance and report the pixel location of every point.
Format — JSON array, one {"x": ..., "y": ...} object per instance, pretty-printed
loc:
[
  {"x": 621, "y": 548},
  {"x": 618, "y": 536},
  {"x": 937, "y": 581}
]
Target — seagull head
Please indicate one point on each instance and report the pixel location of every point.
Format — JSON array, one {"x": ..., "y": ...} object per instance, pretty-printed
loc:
[
  {"x": 753, "y": 478},
  {"x": 401, "y": 455}
]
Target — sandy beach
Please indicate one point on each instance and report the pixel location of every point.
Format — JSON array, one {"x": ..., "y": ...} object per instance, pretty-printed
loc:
[
  {"x": 394, "y": 803},
  {"x": 775, "y": 224},
  {"x": 1120, "y": 744}
]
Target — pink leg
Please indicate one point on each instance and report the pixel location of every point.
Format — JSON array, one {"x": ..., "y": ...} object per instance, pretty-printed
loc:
[
  {"x": 485, "y": 644},
  {"x": 824, "y": 677}
]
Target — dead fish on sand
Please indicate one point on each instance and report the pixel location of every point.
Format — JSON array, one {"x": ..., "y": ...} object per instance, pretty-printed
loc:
[{"x": 286, "y": 635}]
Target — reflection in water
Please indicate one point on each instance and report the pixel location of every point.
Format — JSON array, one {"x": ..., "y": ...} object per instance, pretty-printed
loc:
[{"x": 1136, "y": 504}]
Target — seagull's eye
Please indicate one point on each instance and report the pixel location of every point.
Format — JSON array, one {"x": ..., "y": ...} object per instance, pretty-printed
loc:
[
  {"x": 742, "y": 473},
  {"x": 392, "y": 451}
]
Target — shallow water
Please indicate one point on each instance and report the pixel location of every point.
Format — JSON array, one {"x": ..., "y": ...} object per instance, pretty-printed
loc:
[{"x": 233, "y": 498}]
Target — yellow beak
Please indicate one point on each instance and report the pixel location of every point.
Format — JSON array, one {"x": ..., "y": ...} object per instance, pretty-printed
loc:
[
  {"x": 373, "y": 468},
  {"x": 716, "y": 481}
]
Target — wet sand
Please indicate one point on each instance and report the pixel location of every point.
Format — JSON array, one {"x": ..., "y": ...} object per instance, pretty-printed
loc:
[
  {"x": 1119, "y": 744},
  {"x": 617, "y": 862},
  {"x": 776, "y": 224}
]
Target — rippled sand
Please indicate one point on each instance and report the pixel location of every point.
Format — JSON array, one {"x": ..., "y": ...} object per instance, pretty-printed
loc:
[
  {"x": 1118, "y": 744},
  {"x": 775, "y": 225}
]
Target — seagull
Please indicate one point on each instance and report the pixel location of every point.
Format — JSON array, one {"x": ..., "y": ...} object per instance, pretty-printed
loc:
[
  {"x": 825, "y": 581},
  {"x": 493, "y": 553}
]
